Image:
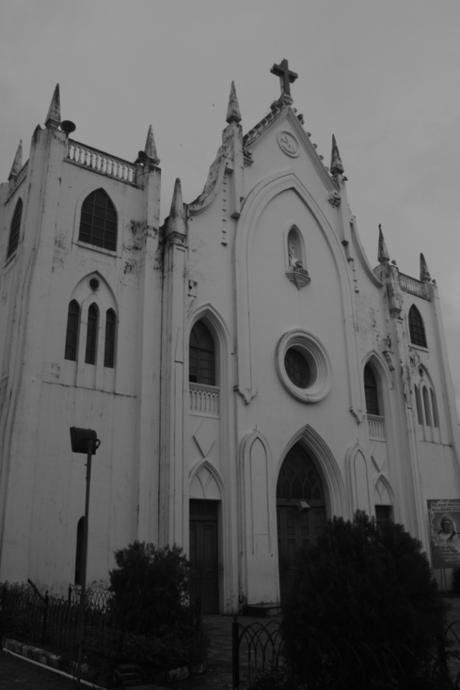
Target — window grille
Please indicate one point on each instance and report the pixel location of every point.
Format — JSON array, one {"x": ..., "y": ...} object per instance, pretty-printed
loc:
[
  {"x": 202, "y": 356},
  {"x": 98, "y": 221},
  {"x": 109, "y": 344},
  {"x": 416, "y": 327},
  {"x": 371, "y": 391},
  {"x": 91, "y": 334},
  {"x": 73, "y": 324}
]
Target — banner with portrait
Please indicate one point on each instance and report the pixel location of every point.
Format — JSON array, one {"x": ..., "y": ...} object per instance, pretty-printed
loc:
[{"x": 444, "y": 520}]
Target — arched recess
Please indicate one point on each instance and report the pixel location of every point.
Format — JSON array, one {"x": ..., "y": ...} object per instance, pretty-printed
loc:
[
  {"x": 206, "y": 483},
  {"x": 258, "y": 199},
  {"x": 379, "y": 425},
  {"x": 258, "y": 524},
  {"x": 337, "y": 503},
  {"x": 357, "y": 477},
  {"x": 383, "y": 500}
]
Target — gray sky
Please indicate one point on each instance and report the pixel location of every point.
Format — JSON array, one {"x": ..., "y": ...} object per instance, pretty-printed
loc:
[{"x": 381, "y": 75}]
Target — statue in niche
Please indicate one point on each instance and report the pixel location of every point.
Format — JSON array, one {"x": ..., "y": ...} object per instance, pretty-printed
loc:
[{"x": 296, "y": 273}]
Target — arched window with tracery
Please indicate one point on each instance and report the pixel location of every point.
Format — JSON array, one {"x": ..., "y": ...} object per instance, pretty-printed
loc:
[
  {"x": 110, "y": 334},
  {"x": 13, "y": 240},
  {"x": 73, "y": 327},
  {"x": 426, "y": 405},
  {"x": 98, "y": 221},
  {"x": 91, "y": 334},
  {"x": 371, "y": 391},
  {"x": 416, "y": 327},
  {"x": 202, "y": 355}
]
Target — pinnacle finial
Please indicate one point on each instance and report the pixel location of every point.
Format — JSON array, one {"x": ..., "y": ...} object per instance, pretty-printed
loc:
[
  {"x": 336, "y": 161},
  {"x": 233, "y": 110},
  {"x": 17, "y": 163},
  {"x": 383, "y": 256},
  {"x": 150, "y": 148},
  {"x": 176, "y": 220},
  {"x": 53, "y": 118},
  {"x": 425, "y": 276}
]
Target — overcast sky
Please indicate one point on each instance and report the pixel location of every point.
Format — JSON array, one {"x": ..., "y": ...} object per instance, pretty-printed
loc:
[{"x": 382, "y": 75}]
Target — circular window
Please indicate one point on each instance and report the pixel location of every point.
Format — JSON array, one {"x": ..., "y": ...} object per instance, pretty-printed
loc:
[{"x": 303, "y": 366}]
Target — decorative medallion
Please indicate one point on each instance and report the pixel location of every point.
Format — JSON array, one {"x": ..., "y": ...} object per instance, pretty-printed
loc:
[{"x": 288, "y": 144}]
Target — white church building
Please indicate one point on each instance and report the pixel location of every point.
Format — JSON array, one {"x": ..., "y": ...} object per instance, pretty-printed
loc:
[{"x": 248, "y": 372}]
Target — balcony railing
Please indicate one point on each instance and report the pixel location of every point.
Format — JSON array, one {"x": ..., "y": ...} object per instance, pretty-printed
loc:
[
  {"x": 204, "y": 400},
  {"x": 376, "y": 425},
  {"x": 414, "y": 286},
  {"x": 100, "y": 162}
]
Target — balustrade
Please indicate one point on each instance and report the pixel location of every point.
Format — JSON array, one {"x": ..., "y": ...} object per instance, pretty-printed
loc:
[
  {"x": 376, "y": 425},
  {"x": 204, "y": 399},
  {"x": 100, "y": 162},
  {"x": 414, "y": 286}
]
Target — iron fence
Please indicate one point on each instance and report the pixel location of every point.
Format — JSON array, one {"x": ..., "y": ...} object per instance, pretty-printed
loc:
[{"x": 256, "y": 649}]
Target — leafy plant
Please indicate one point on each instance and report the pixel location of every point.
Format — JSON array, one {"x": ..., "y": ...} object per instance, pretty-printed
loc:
[{"x": 365, "y": 611}]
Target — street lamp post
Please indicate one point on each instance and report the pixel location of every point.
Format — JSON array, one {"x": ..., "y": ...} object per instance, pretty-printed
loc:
[{"x": 84, "y": 441}]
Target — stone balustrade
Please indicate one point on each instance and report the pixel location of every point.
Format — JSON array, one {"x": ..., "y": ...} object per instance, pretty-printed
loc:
[
  {"x": 376, "y": 425},
  {"x": 102, "y": 163},
  {"x": 204, "y": 400},
  {"x": 414, "y": 286}
]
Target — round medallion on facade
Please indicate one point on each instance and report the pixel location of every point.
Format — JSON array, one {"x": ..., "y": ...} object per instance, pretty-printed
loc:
[
  {"x": 288, "y": 144},
  {"x": 303, "y": 366}
]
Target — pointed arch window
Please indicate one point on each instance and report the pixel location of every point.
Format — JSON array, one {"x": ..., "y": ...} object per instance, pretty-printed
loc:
[
  {"x": 418, "y": 403},
  {"x": 13, "y": 240},
  {"x": 426, "y": 406},
  {"x": 371, "y": 391},
  {"x": 434, "y": 408},
  {"x": 416, "y": 327},
  {"x": 202, "y": 355},
  {"x": 109, "y": 343},
  {"x": 91, "y": 334},
  {"x": 98, "y": 221},
  {"x": 73, "y": 327}
]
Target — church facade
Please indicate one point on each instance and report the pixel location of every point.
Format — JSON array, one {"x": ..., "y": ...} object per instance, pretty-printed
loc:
[{"x": 247, "y": 371}]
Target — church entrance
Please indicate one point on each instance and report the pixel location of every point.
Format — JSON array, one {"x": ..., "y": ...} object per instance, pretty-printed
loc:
[
  {"x": 301, "y": 510},
  {"x": 204, "y": 556}
]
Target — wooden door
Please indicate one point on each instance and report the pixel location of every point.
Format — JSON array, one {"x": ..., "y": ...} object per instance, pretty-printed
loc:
[{"x": 204, "y": 556}]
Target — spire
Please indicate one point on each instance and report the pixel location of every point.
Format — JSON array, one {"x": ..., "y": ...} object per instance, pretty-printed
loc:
[
  {"x": 53, "y": 118},
  {"x": 382, "y": 255},
  {"x": 150, "y": 148},
  {"x": 17, "y": 163},
  {"x": 336, "y": 162},
  {"x": 176, "y": 218},
  {"x": 233, "y": 110},
  {"x": 424, "y": 272}
]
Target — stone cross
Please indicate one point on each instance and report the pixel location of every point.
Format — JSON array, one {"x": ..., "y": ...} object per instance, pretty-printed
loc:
[{"x": 286, "y": 77}]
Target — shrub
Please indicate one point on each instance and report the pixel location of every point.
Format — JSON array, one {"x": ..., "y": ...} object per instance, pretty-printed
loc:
[
  {"x": 365, "y": 611},
  {"x": 150, "y": 588}
]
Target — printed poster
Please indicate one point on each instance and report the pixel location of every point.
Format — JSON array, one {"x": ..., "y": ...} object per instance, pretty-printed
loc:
[{"x": 444, "y": 520}]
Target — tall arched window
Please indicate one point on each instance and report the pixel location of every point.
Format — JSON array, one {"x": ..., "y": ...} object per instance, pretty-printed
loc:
[
  {"x": 91, "y": 334},
  {"x": 15, "y": 226},
  {"x": 371, "y": 391},
  {"x": 73, "y": 326},
  {"x": 79, "y": 555},
  {"x": 426, "y": 405},
  {"x": 418, "y": 403},
  {"x": 434, "y": 408},
  {"x": 416, "y": 327},
  {"x": 109, "y": 344},
  {"x": 202, "y": 355},
  {"x": 98, "y": 221}
]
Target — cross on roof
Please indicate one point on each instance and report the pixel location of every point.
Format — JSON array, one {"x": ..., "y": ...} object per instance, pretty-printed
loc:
[{"x": 286, "y": 77}]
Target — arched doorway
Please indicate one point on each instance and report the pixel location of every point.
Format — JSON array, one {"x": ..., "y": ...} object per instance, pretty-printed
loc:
[{"x": 301, "y": 509}]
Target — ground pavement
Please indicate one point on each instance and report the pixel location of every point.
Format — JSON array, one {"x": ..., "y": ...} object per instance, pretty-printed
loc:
[{"x": 16, "y": 673}]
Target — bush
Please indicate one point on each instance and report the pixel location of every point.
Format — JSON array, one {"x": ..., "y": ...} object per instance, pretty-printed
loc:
[
  {"x": 365, "y": 611},
  {"x": 150, "y": 588}
]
